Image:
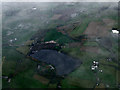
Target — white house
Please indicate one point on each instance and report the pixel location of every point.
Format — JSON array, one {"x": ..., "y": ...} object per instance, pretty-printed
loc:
[{"x": 115, "y": 31}]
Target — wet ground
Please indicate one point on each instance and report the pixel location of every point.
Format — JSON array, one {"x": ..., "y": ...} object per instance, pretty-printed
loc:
[{"x": 64, "y": 64}]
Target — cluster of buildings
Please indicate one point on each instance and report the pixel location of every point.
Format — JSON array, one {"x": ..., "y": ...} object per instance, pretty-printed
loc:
[
  {"x": 44, "y": 45},
  {"x": 11, "y": 40},
  {"x": 95, "y": 65},
  {"x": 50, "y": 41},
  {"x": 115, "y": 31}
]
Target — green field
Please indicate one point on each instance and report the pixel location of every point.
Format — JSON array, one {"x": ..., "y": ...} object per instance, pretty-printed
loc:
[{"x": 57, "y": 36}]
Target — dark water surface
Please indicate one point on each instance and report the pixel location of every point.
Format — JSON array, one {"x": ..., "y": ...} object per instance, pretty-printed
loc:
[{"x": 64, "y": 64}]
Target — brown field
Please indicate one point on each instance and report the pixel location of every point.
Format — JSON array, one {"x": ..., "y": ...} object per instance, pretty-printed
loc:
[
  {"x": 63, "y": 29},
  {"x": 85, "y": 83},
  {"x": 74, "y": 44},
  {"x": 23, "y": 49},
  {"x": 29, "y": 42},
  {"x": 41, "y": 79},
  {"x": 100, "y": 29},
  {"x": 102, "y": 86},
  {"x": 68, "y": 28},
  {"x": 109, "y": 22},
  {"x": 55, "y": 17},
  {"x": 91, "y": 49}
]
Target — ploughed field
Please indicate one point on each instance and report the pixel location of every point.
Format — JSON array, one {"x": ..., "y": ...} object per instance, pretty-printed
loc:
[{"x": 64, "y": 64}]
